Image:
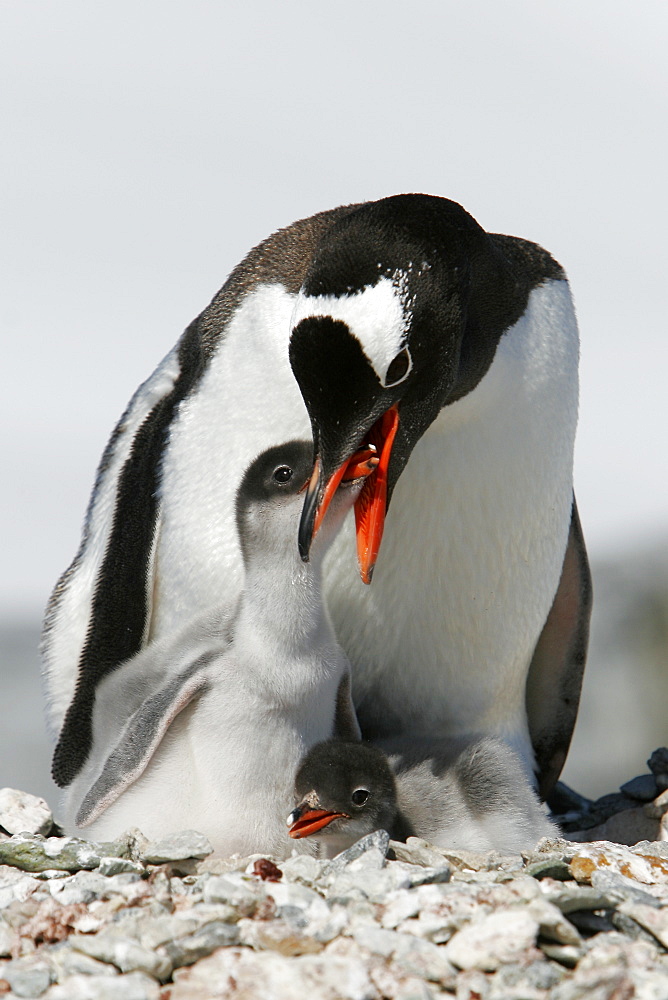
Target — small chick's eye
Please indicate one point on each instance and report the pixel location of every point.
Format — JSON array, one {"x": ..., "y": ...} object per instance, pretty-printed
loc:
[
  {"x": 283, "y": 474},
  {"x": 359, "y": 796},
  {"x": 399, "y": 368}
]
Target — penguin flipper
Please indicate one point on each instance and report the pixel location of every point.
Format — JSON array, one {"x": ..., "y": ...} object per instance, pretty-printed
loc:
[
  {"x": 140, "y": 738},
  {"x": 99, "y": 612},
  {"x": 555, "y": 674}
]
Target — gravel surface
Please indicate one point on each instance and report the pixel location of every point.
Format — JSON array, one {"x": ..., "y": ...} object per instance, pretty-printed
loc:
[{"x": 134, "y": 920}]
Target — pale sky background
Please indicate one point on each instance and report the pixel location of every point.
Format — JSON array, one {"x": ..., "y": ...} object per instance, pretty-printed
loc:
[{"x": 146, "y": 146}]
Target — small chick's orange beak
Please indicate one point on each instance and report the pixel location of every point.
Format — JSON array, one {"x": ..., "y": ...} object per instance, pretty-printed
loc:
[{"x": 312, "y": 820}]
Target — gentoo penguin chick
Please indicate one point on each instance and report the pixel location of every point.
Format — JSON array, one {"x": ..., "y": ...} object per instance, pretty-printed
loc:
[
  {"x": 469, "y": 793},
  {"x": 206, "y": 731}
]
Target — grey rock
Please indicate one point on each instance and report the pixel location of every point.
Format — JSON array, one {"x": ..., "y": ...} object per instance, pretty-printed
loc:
[
  {"x": 415, "y": 956},
  {"x": 82, "y": 887},
  {"x": 631, "y": 928},
  {"x": 546, "y": 848},
  {"x": 35, "y": 854},
  {"x": 552, "y": 924},
  {"x": 643, "y": 788},
  {"x": 401, "y": 906},
  {"x": 69, "y": 962},
  {"x": 279, "y": 935},
  {"x": 28, "y": 977},
  {"x": 177, "y": 847},
  {"x": 409, "y": 876},
  {"x": 129, "y": 845},
  {"x": 114, "y": 866},
  {"x": 8, "y": 939},
  {"x": 303, "y": 868},
  {"x": 526, "y": 979},
  {"x": 492, "y": 940},
  {"x": 21, "y": 812},
  {"x": 418, "y": 852},
  {"x": 134, "y": 986},
  {"x": 607, "y": 970},
  {"x": 617, "y": 888},
  {"x": 625, "y": 827},
  {"x": 375, "y": 884},
  {"x": 652, "y": 849},
  {"x": 570, "y": 898},
  {"x": 566, "y": 954},
  {"x": 296, "y": 895},
  {"x": 190, "y": 948},
  {"x": 153, "y": 931},
  {"x": 123, "y": 952},
  {"x": 243, "y": 894},
  {"x": 369, "y": 851},
  {"x": 15, "y": 885},
  {"x": 653, "y": 920},
  {"x": 328, "y": 975},
  {"x": 618, "y": 858},
  {"x": 657, "y": 808},
  {"x": 235, "y": 863}
]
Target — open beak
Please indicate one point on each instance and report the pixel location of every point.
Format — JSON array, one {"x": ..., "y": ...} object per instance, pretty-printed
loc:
[
  {"x": 304, "y": 821},
  {"x": 371, "y": 504}
]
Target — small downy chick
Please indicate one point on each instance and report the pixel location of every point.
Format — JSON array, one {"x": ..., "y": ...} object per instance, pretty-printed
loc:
[
  {"x": 469, "y": 793},
  {"x": 203, "y": 730}
]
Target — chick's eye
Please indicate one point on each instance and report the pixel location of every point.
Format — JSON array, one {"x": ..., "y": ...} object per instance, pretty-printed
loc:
[
  {"x": 283, "y": 474},
  {"x": 359, "y": 796}
]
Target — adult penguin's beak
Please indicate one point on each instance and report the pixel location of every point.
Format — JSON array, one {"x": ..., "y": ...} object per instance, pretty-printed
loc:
[{"x": 370, "y": 506}]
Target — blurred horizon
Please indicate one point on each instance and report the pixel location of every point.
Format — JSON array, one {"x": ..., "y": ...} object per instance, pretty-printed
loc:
[{"x": 622, "y": 710}]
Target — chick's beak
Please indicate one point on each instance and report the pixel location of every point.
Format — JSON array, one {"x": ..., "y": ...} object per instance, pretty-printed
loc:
[
  {"x": 371, "y": 461},
  {"x": 304, "y": 820}
]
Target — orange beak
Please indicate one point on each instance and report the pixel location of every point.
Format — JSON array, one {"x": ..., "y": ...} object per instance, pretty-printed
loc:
[
  {"x": 313, "y": 820},
  {"x": 371, "y": 504},
  {"x": 372, "y": 461}
]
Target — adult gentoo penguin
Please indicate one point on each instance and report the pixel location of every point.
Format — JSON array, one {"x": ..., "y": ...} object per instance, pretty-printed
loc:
[
  {"x": 206, "y": 729},
  {"x": 455, "y": 351},
  {"x": 467, "y": 792}
]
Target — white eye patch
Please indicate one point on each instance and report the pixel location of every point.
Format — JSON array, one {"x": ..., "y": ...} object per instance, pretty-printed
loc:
[{"x": 376, "y": 315}]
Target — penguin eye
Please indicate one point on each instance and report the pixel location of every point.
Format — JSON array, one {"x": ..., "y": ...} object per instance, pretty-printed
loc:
[
  {"x": 399, "y": 368},
  {"x": 359, "y": 796},
  {"x": 283, "y": 474}
]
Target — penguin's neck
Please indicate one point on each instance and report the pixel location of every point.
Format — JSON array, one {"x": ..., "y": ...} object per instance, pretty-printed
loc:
[{"x": 283, "y": 602}]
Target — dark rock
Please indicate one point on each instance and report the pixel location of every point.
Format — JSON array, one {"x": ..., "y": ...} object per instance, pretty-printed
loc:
[
  {"x": 643, "y": 788},
  {"x": 590, "y": 922},
  {"x": 658, "y": 762},
  {"x": 555, "y": 868}
]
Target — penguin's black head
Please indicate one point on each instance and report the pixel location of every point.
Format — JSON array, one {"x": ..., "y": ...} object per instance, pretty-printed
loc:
[
  {"x": 376, "y": 345},
  {"x": 269, "y": 497},
  {"x": 343, "y": 790}
]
